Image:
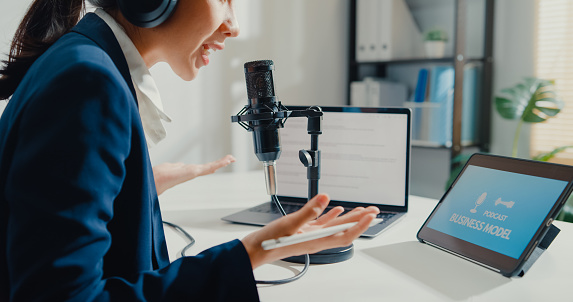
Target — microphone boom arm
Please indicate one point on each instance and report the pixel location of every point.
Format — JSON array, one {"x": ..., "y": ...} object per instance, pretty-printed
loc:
[{"x": 309, "y": 158}]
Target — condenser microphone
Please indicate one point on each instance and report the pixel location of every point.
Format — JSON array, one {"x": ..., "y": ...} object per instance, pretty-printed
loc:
[{"x": 263, "y": 106}]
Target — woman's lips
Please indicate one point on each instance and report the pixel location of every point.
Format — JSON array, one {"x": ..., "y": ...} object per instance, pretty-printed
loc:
[
  {"x": 205, "y": 55},
  {"x": 206, "y": 51}
]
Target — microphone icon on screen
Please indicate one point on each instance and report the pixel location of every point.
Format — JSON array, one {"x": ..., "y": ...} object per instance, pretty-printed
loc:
[{"x": 479, "y": 201}]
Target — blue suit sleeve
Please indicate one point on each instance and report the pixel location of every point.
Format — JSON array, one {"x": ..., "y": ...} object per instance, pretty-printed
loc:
[{"x": 68, "y": 166}]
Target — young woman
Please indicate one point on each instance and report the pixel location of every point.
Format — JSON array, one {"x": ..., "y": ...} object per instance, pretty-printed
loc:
[{"x": 79, "y": 213}]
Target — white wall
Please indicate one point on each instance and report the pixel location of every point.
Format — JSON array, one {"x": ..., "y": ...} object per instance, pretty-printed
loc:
[
  {"x": 307, "y": 39},
  {"x": 514, "y": 55}
]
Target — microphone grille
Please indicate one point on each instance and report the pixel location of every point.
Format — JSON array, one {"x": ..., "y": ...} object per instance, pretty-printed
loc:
[
  {"x": 259, "y": 79},
  {"x": 259, "y": 63}
]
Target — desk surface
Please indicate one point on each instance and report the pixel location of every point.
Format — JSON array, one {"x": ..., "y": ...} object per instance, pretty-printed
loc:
[{"x": 392, "y": 267}]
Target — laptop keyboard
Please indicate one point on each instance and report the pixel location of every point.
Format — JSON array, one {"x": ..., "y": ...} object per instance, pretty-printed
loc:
[{"x": 293, "y": 207}]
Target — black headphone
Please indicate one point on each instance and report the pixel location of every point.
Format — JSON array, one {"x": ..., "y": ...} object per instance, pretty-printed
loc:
[{"x": 146, "y": 13}]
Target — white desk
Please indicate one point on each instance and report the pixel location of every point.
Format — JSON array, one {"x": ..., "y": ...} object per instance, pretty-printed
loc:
[{"x": 391, "y": 267}]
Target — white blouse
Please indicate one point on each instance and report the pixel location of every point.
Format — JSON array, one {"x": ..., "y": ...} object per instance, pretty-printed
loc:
[{"x": 150, "y": 105}]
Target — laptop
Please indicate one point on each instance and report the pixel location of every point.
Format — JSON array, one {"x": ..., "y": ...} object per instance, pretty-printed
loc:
[{"x": 365, "y": 161}]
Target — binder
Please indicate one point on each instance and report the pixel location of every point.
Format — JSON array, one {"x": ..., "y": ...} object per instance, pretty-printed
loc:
[
  {"x": 470, "y": 108},
  {"x": 421, "y": 92},
  {"x": 398, "y": 34},
  {"x": 358, "y": 94},
  {"x": 372, "y": 92},
  {"x": 377, "y": 92},
  {"x": 366, "y": 16},
  {"x": 442, "y": 93},
  {"x": 386, "y": 30}
]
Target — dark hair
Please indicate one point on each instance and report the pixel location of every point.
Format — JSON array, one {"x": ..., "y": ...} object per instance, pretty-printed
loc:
[{"x": 44, "y": 23}]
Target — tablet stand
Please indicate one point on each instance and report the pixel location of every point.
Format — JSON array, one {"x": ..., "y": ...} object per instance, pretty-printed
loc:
[
  {"x": 311, "y": 160},
  {"x": 540, "y": 248}
]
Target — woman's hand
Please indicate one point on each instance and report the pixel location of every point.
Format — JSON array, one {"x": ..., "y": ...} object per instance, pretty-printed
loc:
[
  {"x": 168, "y": 175},
  {"x": 306, "y": 220}
]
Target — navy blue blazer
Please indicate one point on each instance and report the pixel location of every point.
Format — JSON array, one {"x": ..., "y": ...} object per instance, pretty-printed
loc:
[{"x": 79, "y": 214}]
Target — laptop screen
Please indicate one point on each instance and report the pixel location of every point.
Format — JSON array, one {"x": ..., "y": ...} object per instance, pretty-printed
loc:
[{"x": 364, "y": 155}]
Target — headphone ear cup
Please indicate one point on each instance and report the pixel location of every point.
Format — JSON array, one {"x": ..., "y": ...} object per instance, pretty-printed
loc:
[{"x": 146, "y": 13}]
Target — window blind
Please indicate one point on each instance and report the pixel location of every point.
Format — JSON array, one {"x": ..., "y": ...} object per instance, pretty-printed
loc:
[{"x": 554, "y": 61}]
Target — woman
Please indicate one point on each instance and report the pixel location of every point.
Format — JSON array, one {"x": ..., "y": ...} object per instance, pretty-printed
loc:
[{"x": 80, "y": 218}]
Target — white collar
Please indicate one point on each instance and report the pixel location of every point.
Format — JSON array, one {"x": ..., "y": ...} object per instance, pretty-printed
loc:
[{"x": 150, "y": 106}]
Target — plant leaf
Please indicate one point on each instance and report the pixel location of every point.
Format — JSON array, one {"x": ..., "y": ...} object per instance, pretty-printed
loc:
[
  {"x": 549, "y": 155},
  {"x": 533, "y": 101},
  {"x": 506, "y": 108}
]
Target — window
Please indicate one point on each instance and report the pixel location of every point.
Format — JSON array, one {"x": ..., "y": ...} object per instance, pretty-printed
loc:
[{"x": 554, "y": 61}]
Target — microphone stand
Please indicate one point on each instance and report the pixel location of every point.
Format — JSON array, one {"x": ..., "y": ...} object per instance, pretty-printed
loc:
[{"x": 311, "y": 160}]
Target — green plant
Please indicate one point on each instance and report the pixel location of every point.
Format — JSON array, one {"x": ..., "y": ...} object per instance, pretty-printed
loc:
[
  {"x": 436, "y": 35},
  {"x": 532, "y": 101}
]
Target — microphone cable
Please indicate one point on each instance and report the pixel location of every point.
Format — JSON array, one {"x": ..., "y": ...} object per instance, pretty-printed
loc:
[
  {"x": 182, "y": 231},
  {"x": 191, "y": 242},
  {"x": 276, "y": 201}
]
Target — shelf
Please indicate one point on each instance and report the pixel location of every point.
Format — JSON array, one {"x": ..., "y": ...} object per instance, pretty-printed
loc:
[
  {"x": 408, "y": 61},
  {"x": 419, "y": 61},
  {"x": 476, "y": 60},
  {"x": 428, "y": 144},
  {"x": 469, "y": 24},
  {"x": 465, "y": 38},
  {"x": 432, "y": 145},
  {"x": 424, "y": 4}
]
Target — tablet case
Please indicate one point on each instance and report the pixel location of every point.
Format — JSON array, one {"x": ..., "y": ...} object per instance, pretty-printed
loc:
[{"x": 541, "y": 247}]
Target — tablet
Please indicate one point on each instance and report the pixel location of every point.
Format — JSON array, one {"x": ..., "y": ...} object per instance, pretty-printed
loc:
[{"x": 498, "y": 210}]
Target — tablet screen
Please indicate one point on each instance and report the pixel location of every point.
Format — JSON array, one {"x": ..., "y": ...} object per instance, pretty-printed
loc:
[{"x": 496, "y": 209}]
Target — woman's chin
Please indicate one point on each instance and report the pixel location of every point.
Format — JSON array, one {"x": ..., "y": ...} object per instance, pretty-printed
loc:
[
  {"x": 187, "y": 74},
  {"x": 190, "y": 77}
]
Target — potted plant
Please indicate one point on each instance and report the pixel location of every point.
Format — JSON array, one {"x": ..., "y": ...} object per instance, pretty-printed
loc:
[
  {"x": 435, "y": 43},
  {"x": 532, "y": 101}
]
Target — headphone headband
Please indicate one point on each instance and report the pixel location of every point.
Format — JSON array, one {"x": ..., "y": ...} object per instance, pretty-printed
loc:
[{"x": 146, "y": 13}]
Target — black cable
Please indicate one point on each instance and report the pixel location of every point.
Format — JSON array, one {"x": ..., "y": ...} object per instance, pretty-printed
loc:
[
  {"x": 276, "y": 201},
  {"x": 306, "y": 257},
  {"x": 181, "y": 230}
]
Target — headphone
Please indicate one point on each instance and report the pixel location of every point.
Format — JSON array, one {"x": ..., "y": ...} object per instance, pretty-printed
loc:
[{"x": 146, "y": 13}]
